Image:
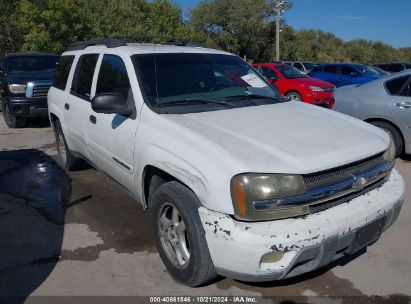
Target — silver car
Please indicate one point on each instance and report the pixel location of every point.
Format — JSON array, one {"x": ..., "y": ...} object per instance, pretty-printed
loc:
[{"x": 385, "y": 103}]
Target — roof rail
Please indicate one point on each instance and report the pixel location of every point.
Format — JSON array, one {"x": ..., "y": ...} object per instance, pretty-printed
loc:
[
  {"x": 114, "y": 42},
  {"x": 108, "y": 42}
]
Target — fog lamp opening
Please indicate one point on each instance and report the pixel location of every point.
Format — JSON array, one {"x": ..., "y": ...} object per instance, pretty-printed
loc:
[{"x": 276, "y": 260}]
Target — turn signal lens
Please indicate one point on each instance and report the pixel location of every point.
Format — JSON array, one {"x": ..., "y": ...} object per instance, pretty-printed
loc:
[{"x": 240, "y": 197}]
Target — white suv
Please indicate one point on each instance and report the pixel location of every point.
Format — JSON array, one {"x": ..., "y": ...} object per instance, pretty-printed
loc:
[{"x": 236, "y": 180}]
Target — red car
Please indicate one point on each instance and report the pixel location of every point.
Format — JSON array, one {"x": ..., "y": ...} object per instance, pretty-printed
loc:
[{"x": 295, "y": 85}]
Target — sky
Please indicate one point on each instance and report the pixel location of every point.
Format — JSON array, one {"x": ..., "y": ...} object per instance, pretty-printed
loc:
[{"x": 388, "y": 21}]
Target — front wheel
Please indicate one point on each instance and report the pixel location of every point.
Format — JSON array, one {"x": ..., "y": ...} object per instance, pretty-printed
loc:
[
  {"x": 293, "y": 96},
  {"x": 179, "y": 234},
  {"x": 11, "y": 120}
]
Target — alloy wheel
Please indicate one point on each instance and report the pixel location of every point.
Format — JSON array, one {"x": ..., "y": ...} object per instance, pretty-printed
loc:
[{"x": 173, "y": 235}]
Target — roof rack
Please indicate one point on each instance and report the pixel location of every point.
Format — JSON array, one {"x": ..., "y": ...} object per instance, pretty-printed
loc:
[
  {"x": 108, "y": 42},
  {"x": 114, "y": 42}
]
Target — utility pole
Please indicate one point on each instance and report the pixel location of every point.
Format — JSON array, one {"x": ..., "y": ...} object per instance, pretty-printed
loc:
[
  {"x": 279, "y": 8},
  {"x": 277, "y": 38}
]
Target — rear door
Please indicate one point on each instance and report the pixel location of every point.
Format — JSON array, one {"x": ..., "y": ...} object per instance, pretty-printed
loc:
[
  {"x": 400, "y": 91},
  {"x": 77, "y": 104},
  {"x": 327, "y": 73},
  {"x": 111, "y": 136}
]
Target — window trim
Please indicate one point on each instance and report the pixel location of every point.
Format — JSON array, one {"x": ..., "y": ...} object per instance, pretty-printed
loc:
[
  {"x": 77, "y": 71},
  {"x": 402, "y": 88}
]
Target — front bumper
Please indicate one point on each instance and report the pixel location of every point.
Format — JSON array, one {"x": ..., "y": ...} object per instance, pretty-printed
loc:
[
  {"x": 22, "y": 106},
  {"x": 307, "y": 243},
  {"x": 324, "y": 99}
]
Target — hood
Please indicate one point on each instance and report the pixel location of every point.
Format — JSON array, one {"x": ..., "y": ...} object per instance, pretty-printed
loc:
[
  {"x": 25, "y": 77},
  {"x": 310, "y": 81},
  {"x": 289, "y": 137}
]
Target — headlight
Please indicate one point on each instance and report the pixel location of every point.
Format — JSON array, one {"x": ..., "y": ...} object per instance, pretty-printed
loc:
[
  {"x": 389, "y": 155},
  {"x": 255, "y": 195},
  {"x": 316, "y": 89},
  {"x": 17, "y": 88}
]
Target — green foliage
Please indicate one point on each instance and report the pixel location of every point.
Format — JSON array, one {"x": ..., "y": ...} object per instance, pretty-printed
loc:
[
  {"x": 10, "y": 34},
  {"x": 244, "y": 27}
]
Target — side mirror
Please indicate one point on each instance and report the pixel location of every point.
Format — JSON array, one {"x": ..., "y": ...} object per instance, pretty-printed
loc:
[{"x": 110, "y": 103}]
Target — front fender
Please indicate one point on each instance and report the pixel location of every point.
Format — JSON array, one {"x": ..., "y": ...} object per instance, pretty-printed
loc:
[{"x": 174, "y": 165}]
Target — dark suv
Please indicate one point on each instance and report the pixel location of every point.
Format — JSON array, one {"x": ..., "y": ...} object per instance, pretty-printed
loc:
[
  {"x": 395, "y": 67},
  {"x": 25, "y": 79}
]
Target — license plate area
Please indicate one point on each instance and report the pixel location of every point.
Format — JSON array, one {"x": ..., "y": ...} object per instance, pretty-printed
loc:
[{"x": 368, "y": 234}]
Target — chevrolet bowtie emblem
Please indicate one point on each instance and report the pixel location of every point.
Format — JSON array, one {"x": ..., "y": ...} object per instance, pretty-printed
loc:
[{"x": 359, "y": 182}]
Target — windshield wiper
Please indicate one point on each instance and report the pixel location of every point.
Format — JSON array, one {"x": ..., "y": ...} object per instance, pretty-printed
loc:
[
  {"x": 252, "y": 96},
  {"x": 189, "y": 101}
]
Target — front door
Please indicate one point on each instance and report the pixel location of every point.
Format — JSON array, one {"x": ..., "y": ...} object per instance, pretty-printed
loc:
[{"x": 111, "y": 136}]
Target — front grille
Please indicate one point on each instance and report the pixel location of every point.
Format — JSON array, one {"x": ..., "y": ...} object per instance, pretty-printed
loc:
[
  {"x": 335, "y": 202},
  {"x": 40, "y": 91},
  {"x": 327, "y": 177},
  {"x": 328, "y": 90}
]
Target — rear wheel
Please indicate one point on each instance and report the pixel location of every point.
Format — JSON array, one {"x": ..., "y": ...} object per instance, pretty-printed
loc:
[
  {"x": 179, "y": 234},
  {"x": 293, "y": 96},
  {"x": 396, "y": 135},
  {"x": 11, "y": 120},
  {"x": 68, "y": 161}
]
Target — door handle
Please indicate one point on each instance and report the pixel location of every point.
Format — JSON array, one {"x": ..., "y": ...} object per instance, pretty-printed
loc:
[
  {"x": 404, "y": 104},
  {"x": 67, "y": 106},
  {"x": 93, "y": 119}
]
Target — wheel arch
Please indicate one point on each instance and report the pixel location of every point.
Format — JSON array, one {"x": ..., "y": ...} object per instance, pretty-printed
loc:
[
  {"x": 370, "y": 120},
  {"x": 161, "y": 176}
]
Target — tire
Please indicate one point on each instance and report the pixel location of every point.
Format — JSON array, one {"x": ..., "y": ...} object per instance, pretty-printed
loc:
[
  {"x": 396, "y": 135},
  {"x": 293, "y": 95},
  {"x": 188, "y": 261},
  {"x": 11, "y": 120},
  {"x": 68, "y": 161}
]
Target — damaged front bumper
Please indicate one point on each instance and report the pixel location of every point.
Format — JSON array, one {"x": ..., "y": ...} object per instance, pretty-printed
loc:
[{"x": 302, "y": 244}]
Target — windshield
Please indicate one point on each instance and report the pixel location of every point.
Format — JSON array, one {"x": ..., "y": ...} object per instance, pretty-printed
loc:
[
  {"x": 37, "y": 63},
  {"x": 205, "y": 79},
  {"x": 365, "y": 70},
  {"x": 309, "y": 66},
  {"x": 290, "y": 72}
]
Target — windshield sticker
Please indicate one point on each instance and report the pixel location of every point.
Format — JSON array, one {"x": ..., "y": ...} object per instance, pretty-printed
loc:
[{"x": 254, "y": 81}]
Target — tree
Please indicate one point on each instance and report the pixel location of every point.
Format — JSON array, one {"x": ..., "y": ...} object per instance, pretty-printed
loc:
[
  {"x": 50, "y": 25},
  {"x": 244, "y": 27},
  {"x": 10, "y": 33}
]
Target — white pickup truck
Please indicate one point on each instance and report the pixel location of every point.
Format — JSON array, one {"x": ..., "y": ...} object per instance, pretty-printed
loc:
[{"x": 237, "y": 181}]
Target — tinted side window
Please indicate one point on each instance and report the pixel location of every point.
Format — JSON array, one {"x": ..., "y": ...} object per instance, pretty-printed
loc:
[
  {"x": 347, "y": 70},
  {"x": 113, "y": 76},
  {"x": 83, "y": 76},
  {"x": 318, "y": 69},
  {"x": 330, "y": 69},
  {"x": 395, "y": 67},
  {"x": 62, "y": 72},
  {"x": 299, "y": 66},
  {"x": 268, "y": 73},
  {"x": 394, "y": 86}
]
